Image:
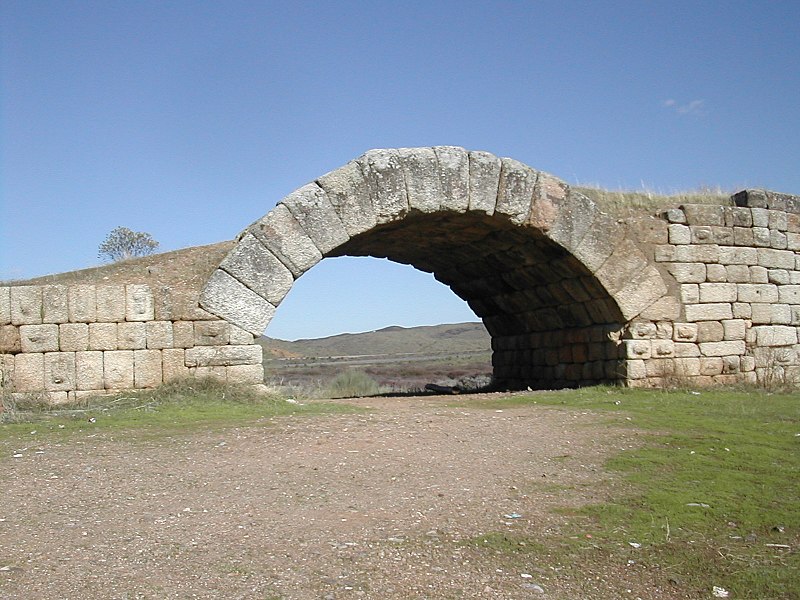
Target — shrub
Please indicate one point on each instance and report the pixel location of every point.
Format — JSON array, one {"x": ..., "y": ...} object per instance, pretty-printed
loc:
[{"x": 352, "y": 383}]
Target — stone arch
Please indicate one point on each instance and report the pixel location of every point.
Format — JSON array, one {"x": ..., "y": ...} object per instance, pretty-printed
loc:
[{"x": 553, "y": 278}]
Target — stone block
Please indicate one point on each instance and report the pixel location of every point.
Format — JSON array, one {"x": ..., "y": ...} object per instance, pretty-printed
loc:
[
  {"x": 311, "y": 208},
  {"x": 183, "y": 334},
  {"x": 687, "y": 367},
  {"x": 211, "y": 333},
  {"x": 716, "y": 273},
  {"x": 259, "y": 269},
  {"x": 793, "y": 241},
  {"x": 665, "y": 308},
  {"x": 708, "y": 312},
  {"x": 55, "y": 307},
  {"x": 776, "y": 259},
  {"x": 599, "y": 242},
  {"x": 82, "y": 303},
  {"x": 550, "y": 199},
  {"x": 89, "y": 370},
  {"x": 688, "y": 272},
  {"x": 685, "y": 332},
  {"x": 10, "y": 342},
  {"x": 139, "y": 305},
  {"x": 686, "y": 349},
  {"x": 775, "y": 335},
  {"x": 743, "y": 236},
  {"x": 701, "y": 234},
  {"x": 624, "y": 264},
  {"x": 515, "y": 190},
  {"x": 722, "y": 348},
  {"x": 761, "y": 237},
  {"x": 789, "y": 294},
  {"x": 453, "y": 172},
  {"x": 212, "y": 356},
  {"x": 348, "y": 192},
  {"x": 759, "y": 275},
  {"x": 421, "y": 172},
  {"x": 736, "y": 255},
  {"x": 26, "y": 305},
  {"x": 384, "y": 175},
  {"x": 643, "y": 330},
  {"x": 722, "y": 235},
  {"x": 737, "y": 273},
  {"x": 147, "y": 371},
  {"x": 29, "y": 372},
  {"x": 229, "y": 299},
  {"x": 708, "y": 253},
  {"x": 718, "y": 292},
  {"x": 211, "y": 373},
  {"x": 664, "y": 253},
  {"x": 761, "y": 313},
  {"x": 636, "y": 349},
  {"x": 102, "y": 336},
  {"x": 635, "y": 369},
  {"x": 710, "y": 331},
  {"x": 757, "y": 292},
  {"x": 244, "y": 374},
  {"x": 704, "y": 214},
  {"x": 173, "y": 364},
  {"x": 484, "y": 180},
  {"x": 662, "y": 348},
  {"x": 690, "y": 293},
  {"x": 679, "y": 234},
  {"x": 675, "y": 215},
  {"x": 240, "y": 337},
  {"x": 777, "y": 219},
  {"x": 747, "y": 363},
  {"x": 778, "y": 277},
  {"x": 778, "y": 240},
  {"x": 59, "y": 371},
  {"x": 710, "y": 365},
  {"x": 159, "y": 334},
  {"x": 734, "y": 329},
  {"x": 118, "y": 368},
  {"x": 5, "y": 305},
  {"x": 738, "y": 217},
  {"x": 131, "y": 335},
  {"x": 111, "y": 300},
  {"x": 73, "y": 337},
  {"x": 281, "y": 233},
  {"x": 760, "y": 217},
  {"x": 781, "y": 314},
  {"x": 6, "y": 373},
  {"x": 641, "y": 292},
  {"x": 39, "y": 338}
]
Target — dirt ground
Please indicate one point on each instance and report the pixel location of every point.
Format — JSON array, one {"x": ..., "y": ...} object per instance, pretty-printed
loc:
[{"x": 379, "y": 504}]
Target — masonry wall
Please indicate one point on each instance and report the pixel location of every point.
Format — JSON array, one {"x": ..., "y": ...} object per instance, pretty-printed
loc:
[
  {"x": 737, "y": 275},
  {"x": 69, "y": 341}
]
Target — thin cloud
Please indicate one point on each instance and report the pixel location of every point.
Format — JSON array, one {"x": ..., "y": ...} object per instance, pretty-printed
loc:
[{"x": 695, "y": 107}]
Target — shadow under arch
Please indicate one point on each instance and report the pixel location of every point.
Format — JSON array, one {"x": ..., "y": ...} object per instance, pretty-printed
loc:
[{"x": 553, "y": 278}]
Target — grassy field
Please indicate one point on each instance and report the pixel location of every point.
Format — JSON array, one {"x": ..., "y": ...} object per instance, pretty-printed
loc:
[{"x": 712, "y": 498}]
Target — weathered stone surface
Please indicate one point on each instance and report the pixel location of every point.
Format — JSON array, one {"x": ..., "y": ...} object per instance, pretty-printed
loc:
[
  {"x": 484, "y": 181},
  {"x": 547, "y": 205},
  {"x": 229, "y": 299},
  {"x": 718, "y": 292},
  {"x": 281, "y": 233},
  {"x": 29, "y": 372},
  {"x": 131, "y": 335},
  {"x": 102, "y": 336},
  {"x": 573, "y": 221},
  {"x": 73, "y": 337},
  {"x": 54, "y": 304},
  {"x": 421, "y": 173},
  {"x": 313, "y": 211},
  {"x": 387, "y": 189},
  {"x": 453, "y": 173},
  {"x": 640, "y": 292},
  {"x": 110, "y": 303},
  {"x": 5, "y": 305},
  {"x": 82, "y": 301},
  {"x": 348, "y": 192},
  {"x": 240, "y": 337},
  {"x": 775, "y": 335},
  {"x": 10, "y": 342},
  {"x": 159, "y": 335},
  {"x": 765, "y": 292},
  {"x": 259, "y": 269},
  {"x": 710, "y": 331},
  {"x": 515, "y": 190},
  {"x": 679, "y": 234},
  {"x": 173, "y": 365},
  {"x": 244, "y": 374},
  {"x": 118, "y": 369},
  {"x": 26, "y": 305},
  {"x": 776, "y": 259},
  {"x": 59, "y": 371},
  {"x": 688, "y": 272},
  {"x": 39, "y": 338},
  {"x": 147, "y": 369},
  {"x": 89, "y": 370},
  {"x": 708, "y": 312},
  {"x": 6, "y": 371},
  {"x": 139, "y": 305},
  {"x": 214, "y": 356},
  {"x": 599, "y": 242},
  {"x": 722, "y": 348},
  {"x": 212, "y": 333},
  {"x": 183, "y": 334}
]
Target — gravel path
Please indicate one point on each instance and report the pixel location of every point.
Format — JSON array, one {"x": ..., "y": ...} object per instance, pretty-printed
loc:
[{"x": 367, "y": 505}]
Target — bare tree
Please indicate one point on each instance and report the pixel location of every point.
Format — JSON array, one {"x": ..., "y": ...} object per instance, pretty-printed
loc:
[{"x": 122, "y": 244}]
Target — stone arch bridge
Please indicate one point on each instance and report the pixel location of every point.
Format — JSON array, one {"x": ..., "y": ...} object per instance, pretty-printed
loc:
[{"x": 570, "y": 295}]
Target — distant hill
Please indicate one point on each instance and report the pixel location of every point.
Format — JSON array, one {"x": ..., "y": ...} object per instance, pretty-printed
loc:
[{"x": 453, "y": 338}]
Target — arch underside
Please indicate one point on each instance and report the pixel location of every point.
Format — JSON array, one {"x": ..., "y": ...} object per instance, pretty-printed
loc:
[{"x": 548, "y": 316}]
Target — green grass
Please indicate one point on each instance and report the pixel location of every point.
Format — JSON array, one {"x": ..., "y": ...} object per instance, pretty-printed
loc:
[
  {"x": 736, "y": 452},
  {"x": 172, "y": 408}
]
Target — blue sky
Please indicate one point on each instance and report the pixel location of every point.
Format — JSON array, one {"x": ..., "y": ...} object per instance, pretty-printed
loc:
[{"x": 190, "y": 120}]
